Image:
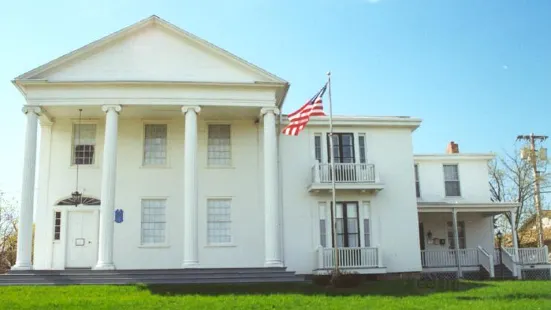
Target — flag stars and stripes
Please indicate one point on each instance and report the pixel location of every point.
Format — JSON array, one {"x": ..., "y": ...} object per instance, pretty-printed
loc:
[{"x": 299, "y": 118}]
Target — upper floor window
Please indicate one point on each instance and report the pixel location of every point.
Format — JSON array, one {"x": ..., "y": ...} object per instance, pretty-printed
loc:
[
  {"x": 451, "y": 181},
  {"x": 343, "y": 147},
  {"x": 317, "y": 147},
  {"x": 219, "y": 145},
  {"x": 155, "y": 150},
  {"x": 84, "y": 144},
  {"x": 361, "y": 147},
  {"x": 417, "y": 184}
]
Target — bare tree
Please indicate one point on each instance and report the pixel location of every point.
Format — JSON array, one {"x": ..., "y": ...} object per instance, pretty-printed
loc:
[
  {"x": 512, "y": 180},
  {"x": 8, "y": 232}
]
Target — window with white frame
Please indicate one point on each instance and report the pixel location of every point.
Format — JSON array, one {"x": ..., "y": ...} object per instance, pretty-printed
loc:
[
  {"x": 361, "y": 142},
  {"x": 153, "y": 221},
  {"x": 155, "y": 144},
  {"x": 322, "y": 206},
  {"x": 84, "y": 144},
  {"x": 57, "y": 225},
  {"x": 317, "y": 147},
  {"x": 219, "y": 145},
  {"x": 366, "y": 224},
  {"x": 219, "y": 221},
  {"x": 460, "y": 234},
  {"x": 451, "y": 181},
  {"x": 417, "y": 184}
]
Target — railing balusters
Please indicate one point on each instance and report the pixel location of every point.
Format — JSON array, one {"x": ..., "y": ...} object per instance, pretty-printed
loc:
[{"x": 344, "y": 173}]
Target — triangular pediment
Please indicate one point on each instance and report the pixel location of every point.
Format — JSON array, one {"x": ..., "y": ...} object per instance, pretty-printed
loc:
[{"x": 151, "y": 50}]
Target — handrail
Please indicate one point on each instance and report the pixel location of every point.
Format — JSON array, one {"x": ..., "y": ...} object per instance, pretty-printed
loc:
[
  {"x": 508, "y": 259},
  {"x": 487, "y": 261}
]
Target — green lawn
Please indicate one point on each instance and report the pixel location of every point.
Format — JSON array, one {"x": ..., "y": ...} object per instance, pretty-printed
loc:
[{"x": 372, "y": 295}]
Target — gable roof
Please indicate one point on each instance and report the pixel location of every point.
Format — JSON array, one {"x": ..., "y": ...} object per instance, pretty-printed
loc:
[{"x": 60, "y": 61}]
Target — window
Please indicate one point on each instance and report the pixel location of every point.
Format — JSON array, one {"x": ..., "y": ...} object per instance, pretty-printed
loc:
[
  {"x": 460, "y": 233},
  {"x": 153, "y": 221},
  {"x": 57, "y": 225},
  {"x": 451, "y": 181},
  {"x": 219, "y": 145},
  {"x": 218, "y": 221},
  {"x": 348, "y": 232},
  {"x": 155, "y": 137},
  {"x": 343, "y": 147},
  {"x": 361, "y": 142},
  {"x": 323, "y": 224},
  {"x": 367, "y": 226},
  {"x": 317, "y": 147},
  {"x": 417, "y": 184},
  {"x": 84, "y": 144}
]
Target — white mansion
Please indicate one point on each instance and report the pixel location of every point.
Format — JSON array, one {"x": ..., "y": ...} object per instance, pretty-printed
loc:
[{"x": 175, "y": 147}]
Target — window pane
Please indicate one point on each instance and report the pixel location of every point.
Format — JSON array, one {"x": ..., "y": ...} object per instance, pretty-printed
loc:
[
  {"x": 323, "y": 235},
  {"x": 84, "y": 143},
  {"x": 155, "y": 144},
  {"x": 361, "y": 141},
  {"x": 451, "y": 173},
  {"x": 452, "y": 188},
  {"x": 367, "y": 233},
  {"x": 219, "y": 221},
  {"x": 317, "y": 147},
  {"x": 219, "y": 145},
  {"x": 153, "y": 221}
]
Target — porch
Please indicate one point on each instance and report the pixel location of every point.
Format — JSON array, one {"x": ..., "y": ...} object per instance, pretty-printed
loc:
[{"x": 364, "y": 260}]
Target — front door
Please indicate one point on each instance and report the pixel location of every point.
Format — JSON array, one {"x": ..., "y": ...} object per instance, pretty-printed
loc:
[{"x": 82, "y": 236}]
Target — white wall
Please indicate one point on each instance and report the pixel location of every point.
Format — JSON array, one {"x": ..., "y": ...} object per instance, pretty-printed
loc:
[
  {"x": 478, "y": 229},
  {"x": 473, "y": 178}
]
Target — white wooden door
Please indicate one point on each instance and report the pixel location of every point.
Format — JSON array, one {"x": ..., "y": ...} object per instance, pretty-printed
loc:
[{"x": 82, "y": 236}]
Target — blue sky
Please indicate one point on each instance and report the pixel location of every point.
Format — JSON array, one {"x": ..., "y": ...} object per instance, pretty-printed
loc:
[{"x": 477, "y": 72}]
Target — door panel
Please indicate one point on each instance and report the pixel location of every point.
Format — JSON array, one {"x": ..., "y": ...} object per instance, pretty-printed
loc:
[{"x": 81, "y": 239}]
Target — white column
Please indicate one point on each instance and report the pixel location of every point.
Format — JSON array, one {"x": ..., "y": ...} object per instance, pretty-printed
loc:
[
  {"x": 25, "y": 232},
  {"x": 108, "y": 182},
  {"x": 456, "y": 241},
  {"x": 191, "y": 242},
  {"x": 514, "y": 233},
  {"x": 271, "y": 203}
]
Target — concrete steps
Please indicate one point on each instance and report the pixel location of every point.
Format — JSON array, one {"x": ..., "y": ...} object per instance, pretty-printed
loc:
[
  {"x": 150, "y": 276},
  {"x": 506, "y": 275}
]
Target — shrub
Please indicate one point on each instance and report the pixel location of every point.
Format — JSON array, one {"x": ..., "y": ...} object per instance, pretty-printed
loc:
[
  {"x": 321, "y": 279},
  {"x": 343, "y": 279}
]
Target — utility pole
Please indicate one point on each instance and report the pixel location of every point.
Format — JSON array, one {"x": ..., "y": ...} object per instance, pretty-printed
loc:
[{"x": 533, "y": 155}]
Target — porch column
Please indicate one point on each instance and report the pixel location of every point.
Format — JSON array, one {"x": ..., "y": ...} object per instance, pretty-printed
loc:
[
  {"x": 456, "y": 241},
  {"x": 190, "y": 188},
  {"x": 108, "y": 182},
  {"x": 514, "y": 233},
  {"x": 272, "y": 241},
  {"x": 25, "y": 232}
]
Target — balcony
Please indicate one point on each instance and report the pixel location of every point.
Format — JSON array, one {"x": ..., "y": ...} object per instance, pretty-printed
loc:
[
  {"x": 348, "y": 176},
  {"x": 360, "y": 259}
]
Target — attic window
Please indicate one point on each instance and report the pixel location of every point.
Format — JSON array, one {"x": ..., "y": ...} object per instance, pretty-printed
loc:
[{"x": 87, "y": 201}]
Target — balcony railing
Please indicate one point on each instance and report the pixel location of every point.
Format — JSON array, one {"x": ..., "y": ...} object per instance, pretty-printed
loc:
[
  {"x": 349, "y": 257},
  {"x": 344, "y": 173},
  {"x": 527, "y": 256}
]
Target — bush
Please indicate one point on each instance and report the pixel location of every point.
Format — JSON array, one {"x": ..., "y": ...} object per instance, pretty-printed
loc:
[
  {"x": 343, "y": 279},
  {"x": 321, "y": 279}
]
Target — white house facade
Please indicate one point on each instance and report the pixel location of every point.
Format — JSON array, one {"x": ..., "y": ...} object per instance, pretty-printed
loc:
[{"x": 175, "y": 147}]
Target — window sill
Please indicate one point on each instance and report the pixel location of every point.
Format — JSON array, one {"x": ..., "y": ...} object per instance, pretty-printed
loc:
[
  {"x": 221, "y": 245},
  {"x": 219, "y": 167},
  {"x": 453, "y": 197},
  {"x": 160, "y": 167},
  {"x": 154, "y": 246},
  {"x": 94, "y": 166}
]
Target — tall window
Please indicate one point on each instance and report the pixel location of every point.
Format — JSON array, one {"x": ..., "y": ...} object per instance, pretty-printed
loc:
[
  {"x": 361, "y": 142},
  {"x": 367, "y": 225},
  {"x": 348, "y": 232},
  {"x": 343, "y": 147},
  {"x": 84, "y": 144},
  {"x": 153, "y": 221},
  {"x": 317, "y": 147},
  {"x": 460, "y": 233},
  {"x": 451, "y": 181},
  {"x": 219, "y": 145},
  {"x": 323, "y": 223},
  {"x": 57, "y": 225},
  {"x": 417, "y": 184},
  {"x": 218, "y": 221},
  {"x": 154, "y": 152}
]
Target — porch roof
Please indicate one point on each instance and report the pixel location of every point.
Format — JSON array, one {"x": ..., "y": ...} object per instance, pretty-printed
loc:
[{"x": 483, "y": 207}]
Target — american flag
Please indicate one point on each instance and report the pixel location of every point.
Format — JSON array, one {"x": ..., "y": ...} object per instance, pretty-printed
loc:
[{"x": 299, "y": 118}]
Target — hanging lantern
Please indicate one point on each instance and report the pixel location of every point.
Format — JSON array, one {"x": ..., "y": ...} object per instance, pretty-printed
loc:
[{"x": 77, "y": 197}]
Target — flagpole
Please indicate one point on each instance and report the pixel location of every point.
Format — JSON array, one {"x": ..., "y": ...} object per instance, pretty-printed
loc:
[{"x": 332, "y": 159}]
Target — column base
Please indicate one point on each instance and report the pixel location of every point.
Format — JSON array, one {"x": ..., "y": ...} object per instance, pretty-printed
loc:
[
  {"x": 273, "y": 263},
  {"x": 22, "y": 266},
  {"x": 190, "y": 264},
  {"x": 104, "y": 266}
]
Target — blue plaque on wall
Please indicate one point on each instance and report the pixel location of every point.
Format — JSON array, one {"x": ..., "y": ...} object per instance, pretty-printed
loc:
[{"x": 119, "y": 216}]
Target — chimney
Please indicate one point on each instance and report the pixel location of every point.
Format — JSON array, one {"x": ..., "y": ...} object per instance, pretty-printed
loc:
[{"x": 453, "y": 148}]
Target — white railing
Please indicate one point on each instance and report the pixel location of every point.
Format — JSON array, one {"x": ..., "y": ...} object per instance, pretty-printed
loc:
[
  {"x": 528, "y": 256},
  {"x": 447, "y": 258},
  {"x": 349, "y": 257},
  {"x": 508, "y": 259},
  {"x": 344, "y": 173},
  {"x": 486, "y": 260}
]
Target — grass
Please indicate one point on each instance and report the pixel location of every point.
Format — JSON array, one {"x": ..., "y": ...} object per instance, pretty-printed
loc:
[{"x": 372, "y": 295}]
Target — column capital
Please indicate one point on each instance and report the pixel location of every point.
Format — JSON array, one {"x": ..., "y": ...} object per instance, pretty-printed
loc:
[
  {"x": 273, "y": 110},
  {"x": 187, "y": 108},
  {"x": 115, "y": 107},
  {"x": 32, "y": 109}
]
